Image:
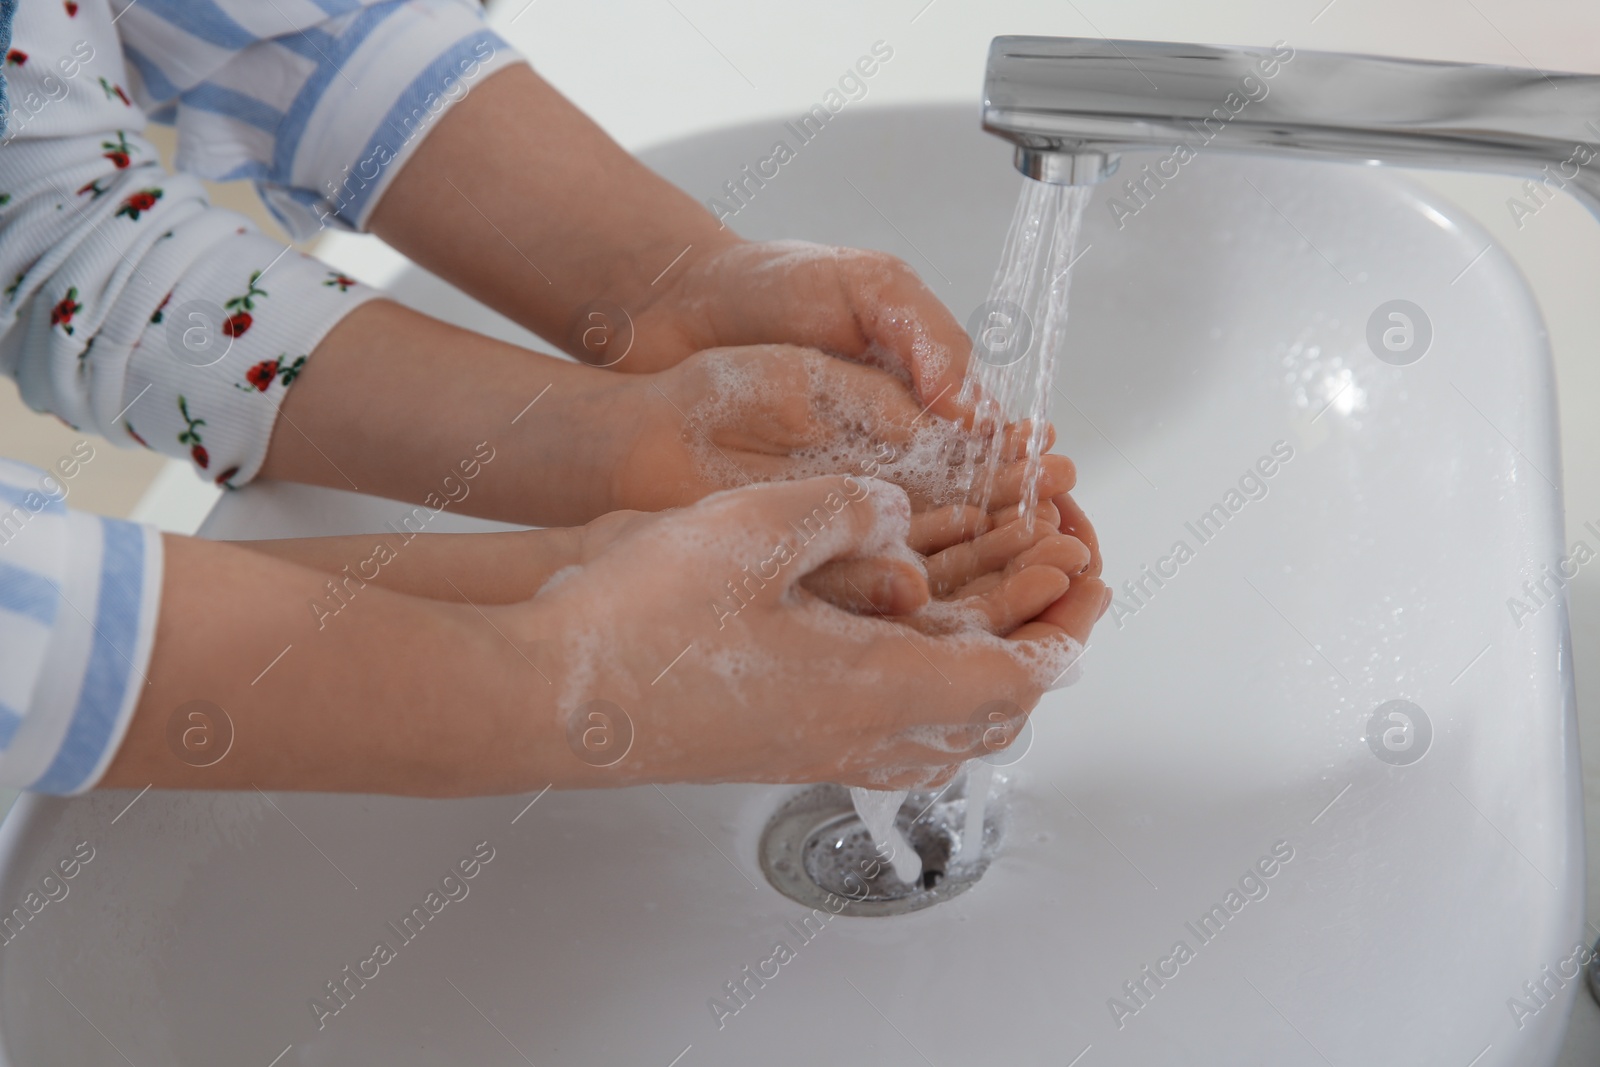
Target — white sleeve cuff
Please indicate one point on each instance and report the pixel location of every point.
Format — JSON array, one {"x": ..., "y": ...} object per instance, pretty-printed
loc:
[{"x": 207, "y": 376}]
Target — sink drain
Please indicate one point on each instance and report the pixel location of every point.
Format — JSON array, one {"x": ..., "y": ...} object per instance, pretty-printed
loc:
[{"x": 817, "y": 852}]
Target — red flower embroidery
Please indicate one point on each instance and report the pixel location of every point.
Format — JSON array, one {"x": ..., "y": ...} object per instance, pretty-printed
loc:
[
  {"x": 343, "y": 281},
  {"x": 61, "y": 314},
  {"x": 237, "y": 323},
  {"x": 225, "y": 476},
  {"x": 126, "y": 425},
  {"x": 143, "y": 200},
  {"x": 72, "y": 8},
  {"x": 16, "y": 58},
  {"x": 263, "y": 374},
  {"x": 94, "y": 188},
  {"x": 160, "y": 308},
  {"x": 118, "y": 151},
  {"x": 191, "y": 436}
]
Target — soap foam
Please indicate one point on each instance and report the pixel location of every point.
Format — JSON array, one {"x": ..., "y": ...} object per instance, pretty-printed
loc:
[
  {"x": 556, "y": 580},
  {"x": 935, "y": 464}
]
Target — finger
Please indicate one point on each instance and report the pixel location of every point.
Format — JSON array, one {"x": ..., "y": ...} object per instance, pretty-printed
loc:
[
  {"x": 1076, "y": 523},
  {"x": 938, "y": 529},
  {"x": 1043, "y": 511},
  {"x": 778, "y": 533},
  {"x": 1074, "y": 614},
  {"x": 869, "y": 586},
  {"x": 1066, "y": 554},
  {"x": 960, "y": 564},
  {"x": 977, "y": 587},
  {"x": 900, "y": 315},
  {"x": 1019, "y": 598},
  {"x": 1057, "y": 474},
  {"x": 1018, "y": 438}
]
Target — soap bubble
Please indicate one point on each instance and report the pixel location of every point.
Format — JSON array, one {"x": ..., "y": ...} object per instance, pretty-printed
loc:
[
  {"x": 1399, "y": 733},
  {"x": 1399, "y": 332},
  {"x": 199, "y": 733},
  {"x": 599, "y": 733}
]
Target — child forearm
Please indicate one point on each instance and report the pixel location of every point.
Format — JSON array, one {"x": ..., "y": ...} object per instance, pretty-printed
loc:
[
  {"x": 394, "y": 403},
  {"x": 488, "y": 568},
  {"x": 395, "y": 694},
  {"x": 551, "y": 216}
]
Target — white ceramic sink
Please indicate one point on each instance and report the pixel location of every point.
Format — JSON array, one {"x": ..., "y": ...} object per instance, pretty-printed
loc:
[{"x": 1227, "y": 715}]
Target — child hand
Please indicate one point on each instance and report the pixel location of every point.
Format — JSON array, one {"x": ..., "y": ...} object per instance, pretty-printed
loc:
[
  {"x": 732, "y": 416},
  {"x": 864, "y": 306}
]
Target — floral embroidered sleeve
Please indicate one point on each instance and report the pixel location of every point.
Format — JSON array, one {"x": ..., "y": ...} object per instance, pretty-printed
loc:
[{"x": 134, "y": 308}]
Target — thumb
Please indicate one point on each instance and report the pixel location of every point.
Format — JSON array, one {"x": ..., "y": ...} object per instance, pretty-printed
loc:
[{"x": 787, "y": 530}]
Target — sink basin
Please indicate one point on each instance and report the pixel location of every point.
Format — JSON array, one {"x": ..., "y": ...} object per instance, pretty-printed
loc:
[{"x": 1397, "y": 871}]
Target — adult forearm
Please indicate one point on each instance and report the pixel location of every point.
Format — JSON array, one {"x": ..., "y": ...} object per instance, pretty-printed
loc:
[
  {"x": 550, "y": 217},
  {"x": 395, "y": 695},
  {"x": 396, "y": 404}
]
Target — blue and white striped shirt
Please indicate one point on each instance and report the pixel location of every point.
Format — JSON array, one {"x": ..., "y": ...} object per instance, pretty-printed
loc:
[
  {"x": 78, "y": 600},
  {"x": 107, "y": 262},
  {"x": 313, "y": 100}
]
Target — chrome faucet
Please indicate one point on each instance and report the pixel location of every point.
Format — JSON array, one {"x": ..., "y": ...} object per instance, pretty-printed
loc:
[{"x": 1072, "y": 104}]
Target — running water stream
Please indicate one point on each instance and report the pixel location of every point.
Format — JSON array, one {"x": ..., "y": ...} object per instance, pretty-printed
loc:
[
  {"x": 1020, "y": 330},
  {"x": 1017, "y": 337},
  {"x": 877, "y": 809}
]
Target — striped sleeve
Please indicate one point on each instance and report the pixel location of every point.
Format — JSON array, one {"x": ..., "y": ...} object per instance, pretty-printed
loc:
[
  {"x": 78, "y": 601},
  {"x": 320, "y": 102}
]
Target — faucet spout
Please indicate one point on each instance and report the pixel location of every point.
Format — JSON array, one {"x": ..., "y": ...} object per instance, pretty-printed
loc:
[
  {"x": 1065, "y": 167},
  {"x": 1071, "y": 104}
]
